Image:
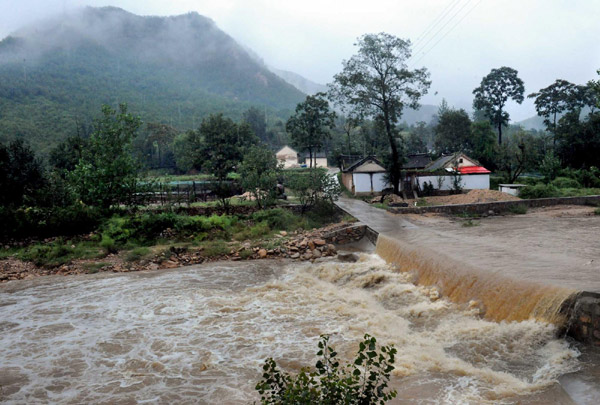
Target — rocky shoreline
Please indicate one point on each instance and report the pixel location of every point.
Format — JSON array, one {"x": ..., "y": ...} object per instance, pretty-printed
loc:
[{"x": 298, "y": 245}]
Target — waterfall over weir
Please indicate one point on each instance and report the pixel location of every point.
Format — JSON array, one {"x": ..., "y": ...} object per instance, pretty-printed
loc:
[{"x": 499, "y": 298}]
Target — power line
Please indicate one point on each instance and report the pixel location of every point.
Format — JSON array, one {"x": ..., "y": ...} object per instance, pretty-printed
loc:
[
  {"x": 423, "y": 46},
  {"x": 437, "y": 20},
  {"x": 447, "y": 32}
]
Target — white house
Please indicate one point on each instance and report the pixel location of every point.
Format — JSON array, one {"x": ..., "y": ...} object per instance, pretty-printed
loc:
[
  {"x": 365, "y": 176},
  {"x": 319, "y": 159},
  {"x": 287, "y": 156},
  {"x": 443, "y": 172}
]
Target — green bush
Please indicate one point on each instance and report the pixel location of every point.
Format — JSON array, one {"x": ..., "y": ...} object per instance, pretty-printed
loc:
[
  {"x": 57, "y": 253},
  {"x": 108, "y": 244},
  {"x": 278, "y": 219},
  {"x": 565, "y": 182},
  {"x": 44, "y": 222},
  {"x": 363, "y": 381},
  {"x": 146, "y": 228},
  {"x": 539, "y": 191}
]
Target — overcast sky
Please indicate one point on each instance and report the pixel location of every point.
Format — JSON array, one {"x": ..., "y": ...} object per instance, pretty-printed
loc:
[{"x": 542, "y": 39}]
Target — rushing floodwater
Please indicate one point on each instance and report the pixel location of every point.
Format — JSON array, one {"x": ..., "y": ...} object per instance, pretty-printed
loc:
[{"x": 200, "y": 335}]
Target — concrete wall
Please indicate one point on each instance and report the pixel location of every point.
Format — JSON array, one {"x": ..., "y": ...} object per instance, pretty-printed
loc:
[
  {"x": 498, "y": 206},
  {"x": 317, "y": 162},
  {"x": 467, "y": 181}
]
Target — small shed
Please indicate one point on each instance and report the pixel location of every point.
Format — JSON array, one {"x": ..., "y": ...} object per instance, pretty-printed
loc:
[
  {"x": 366, "y": 176},
  {"x": 513, "y": 189},
  {"x": 287, "y": 156}
]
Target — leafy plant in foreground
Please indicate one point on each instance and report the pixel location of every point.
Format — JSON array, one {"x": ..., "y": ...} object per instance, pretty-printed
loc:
[{"x": 364, "y": 381}]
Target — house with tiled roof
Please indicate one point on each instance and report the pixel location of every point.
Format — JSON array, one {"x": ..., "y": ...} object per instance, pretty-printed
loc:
[{"x": 445, "y": 171}]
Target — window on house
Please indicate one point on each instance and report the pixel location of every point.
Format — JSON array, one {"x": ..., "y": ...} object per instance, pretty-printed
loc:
[{"x": 460, "y": 160}]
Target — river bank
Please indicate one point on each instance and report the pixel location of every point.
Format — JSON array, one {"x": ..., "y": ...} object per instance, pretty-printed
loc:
[{"x": 299, "y": 245}]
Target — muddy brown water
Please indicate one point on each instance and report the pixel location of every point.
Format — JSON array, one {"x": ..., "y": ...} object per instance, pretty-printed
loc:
[{"x": 200, "y": 335}]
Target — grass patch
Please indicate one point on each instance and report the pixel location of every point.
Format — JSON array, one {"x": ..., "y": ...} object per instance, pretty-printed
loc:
[
  {"x": 58, "y": 253},
  {"x": 421, "y": 202},
  {"x": 215, "y": 248},
  {"x": 520, "y": 209},
  {"x": 597, "y": 211},
  {"x": 246, "y": 253},
  {"x": 137, "y": 254},
  {"x": 349, "y": 218}
]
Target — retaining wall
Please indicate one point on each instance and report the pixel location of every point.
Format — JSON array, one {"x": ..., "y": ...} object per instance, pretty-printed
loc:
[{"x": 498, "y": 206}]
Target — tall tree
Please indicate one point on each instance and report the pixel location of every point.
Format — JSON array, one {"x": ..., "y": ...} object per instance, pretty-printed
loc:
[
  {"x": 225, "y": 143},
  {"x": 311, "y": 124},
  {"x": 256, "y": 118},
  {"x": 495, "y": 90},
  {"x": 21, "y": 174},
  {"x": 550, "y": 102},
  {"x": 106, "y": 174},
  {"x": 453, "y": 132},
  {"x": 377, "y": 83}
]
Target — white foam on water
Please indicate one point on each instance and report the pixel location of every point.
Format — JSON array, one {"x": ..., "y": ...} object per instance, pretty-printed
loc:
[{"x": 201, "y": 335}]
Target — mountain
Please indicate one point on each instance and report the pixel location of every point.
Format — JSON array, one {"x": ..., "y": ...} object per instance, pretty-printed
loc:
[
  {"x": 536, "y": 122},
  {"x": 425, "y": 114},
  {"x": 57, "y": 74},
  {"x": 300, "y": 82}
]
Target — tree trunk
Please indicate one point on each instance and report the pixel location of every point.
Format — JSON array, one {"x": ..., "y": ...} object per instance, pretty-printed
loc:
[
  {"x": 500, "y": 133},
  {"x": 395, "y": 169}
]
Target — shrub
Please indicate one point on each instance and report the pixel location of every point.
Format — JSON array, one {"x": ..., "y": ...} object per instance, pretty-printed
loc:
[
  {"x": 277, "y": 219},
  {"x": 539, "y": 191},
  {"x": 108, "y": 244},
  {"x": 363, "y": 381},
  {"x": 44, "y": 222},
  {"x": 565, "y": 182},
  {"x": 597, "y": 211}
]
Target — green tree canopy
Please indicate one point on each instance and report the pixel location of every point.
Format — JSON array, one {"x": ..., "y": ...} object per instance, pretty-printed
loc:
[
  {"x": 255, "y": 117},
  {"x": 311, "y": 124},
  {"x": 21, "y": 174},
  {"x": 453, "y": 132},
  {"x": 552, "y": 101},
  {"x": 376, "y": 82},
  {"x": 258, "y": 174},
  {"x": 495, "y": 90},
  {"x": 106, "y": 174}
]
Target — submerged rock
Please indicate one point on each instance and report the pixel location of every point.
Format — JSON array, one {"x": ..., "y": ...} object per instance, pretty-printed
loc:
[{"x": 347, "y": 257}]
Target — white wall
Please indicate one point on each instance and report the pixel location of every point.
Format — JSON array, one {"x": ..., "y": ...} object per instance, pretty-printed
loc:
[
  {"x": 362, "y": 182},
  {"x": 468, "y": 182}
]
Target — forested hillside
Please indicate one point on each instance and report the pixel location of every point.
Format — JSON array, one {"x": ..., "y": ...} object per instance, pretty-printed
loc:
[{"x": 175, "y": 70}]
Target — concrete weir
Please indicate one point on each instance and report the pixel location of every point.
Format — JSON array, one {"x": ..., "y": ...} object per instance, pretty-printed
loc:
[{"x": 511, "y": 268}]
